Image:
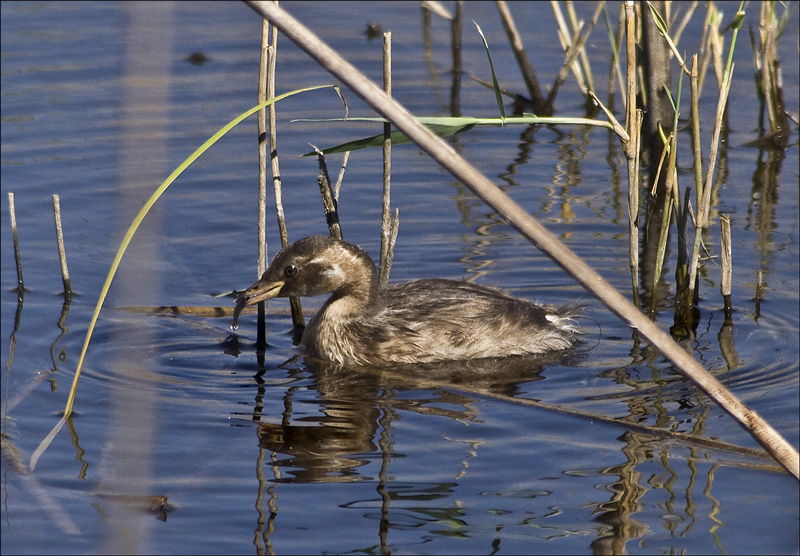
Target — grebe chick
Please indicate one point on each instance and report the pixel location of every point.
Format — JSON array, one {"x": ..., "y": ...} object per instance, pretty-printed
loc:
[{"x": 422, "y": 321}]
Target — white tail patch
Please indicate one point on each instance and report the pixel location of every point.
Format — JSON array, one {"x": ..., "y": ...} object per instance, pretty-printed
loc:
[{"x": 565, "y": 324}]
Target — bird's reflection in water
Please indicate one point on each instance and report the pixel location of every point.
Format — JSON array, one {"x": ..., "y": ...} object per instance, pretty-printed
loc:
[{"x": 357, "y": 408}]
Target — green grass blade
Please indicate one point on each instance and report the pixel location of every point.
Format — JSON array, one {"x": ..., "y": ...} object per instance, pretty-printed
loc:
[
  {"x": 497, "y": 94},
  {"x": 143, "y": 212},
  {"x": 398, "y": 138},
  {"x": 444, "y": 126}
]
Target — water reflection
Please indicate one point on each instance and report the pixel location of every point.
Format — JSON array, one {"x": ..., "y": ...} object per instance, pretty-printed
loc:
[
  {"x": 358, "y": 409},
  {"x": 355, "y": 403}
]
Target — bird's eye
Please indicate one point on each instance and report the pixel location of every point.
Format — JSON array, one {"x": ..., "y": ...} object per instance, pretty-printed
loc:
[{"x": 290, "y": 271}]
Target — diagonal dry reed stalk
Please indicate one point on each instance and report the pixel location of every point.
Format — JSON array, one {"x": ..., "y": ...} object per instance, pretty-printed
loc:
[{"x": 493, "y": 196}]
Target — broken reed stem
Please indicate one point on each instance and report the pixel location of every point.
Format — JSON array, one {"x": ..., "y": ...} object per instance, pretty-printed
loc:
[
  {"x": 759, "y": 294},
  {"x": 328, "y": 202},
  {"x": 62, "y": 255},
  {"x": 386, "y": 223},
  {"x": 725, "y": 248},
  {"x": 12, "y": 211},
  {"x": 341, "y": 176}
]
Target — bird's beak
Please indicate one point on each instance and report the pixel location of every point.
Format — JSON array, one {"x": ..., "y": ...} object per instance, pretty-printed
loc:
[{"x": 260, "y": 291}]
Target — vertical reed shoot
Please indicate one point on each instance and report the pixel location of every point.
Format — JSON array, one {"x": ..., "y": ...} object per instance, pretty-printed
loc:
[
  {"x": 62, "y": 255},
  {"x": 12, "y": 211},
  {"x": 385, "y": 264}
]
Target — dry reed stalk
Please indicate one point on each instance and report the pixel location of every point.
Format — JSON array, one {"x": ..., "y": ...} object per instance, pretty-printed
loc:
[
  {"x": 564, "y": 35},
  {"x": 340, "y": 178},
  {"x": 263, "y": 73},
  {"x": 455, "y": 88},
  {"x": 524, "y": 63},
  {"x": 12, "y": 211},
  {"x": 328, "y": 202},
  {"x": 759, "y": 294},
  {"x": 694, "y": 116},
  {"x": 614, "y": 71},
  {"x": 62, "y": 255},
  {"x": 584, "y": 59},
  {"x": 569, "y": 59},
  {"x": 633, "y": 124},
  {"x": 678, "y": 30},
  {"x": 671, "y": 148},
  {"x": 725, "y": 248},
  {"x": 266, "y": 88},
  {"x": 385, "y": 264},
  {"x": 495, "y": 198},
  {"x": 768, "y": 76},
  {"x": 261, "y": 263},
  {"x": 705, "y": 47},
  {"x": 573, "y": 49},
  {"x": 704, "y": 196}
]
